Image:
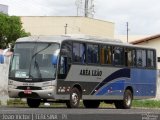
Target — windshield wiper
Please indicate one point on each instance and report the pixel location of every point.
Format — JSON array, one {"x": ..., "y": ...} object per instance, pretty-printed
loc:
[
  {"x": 38, "y": 70},
  {"x": 34, "y": 56}
]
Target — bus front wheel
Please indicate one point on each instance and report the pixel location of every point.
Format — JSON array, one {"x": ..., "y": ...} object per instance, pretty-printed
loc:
[
  {"x": 126, "y": 102},
  {"x": 75, "y": 97},
  {"x": 33, "y": 103},
  {"x": 91, "y": 103}
]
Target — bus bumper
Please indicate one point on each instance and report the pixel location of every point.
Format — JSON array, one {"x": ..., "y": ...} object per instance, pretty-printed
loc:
[{"x": 42, "y": 94}]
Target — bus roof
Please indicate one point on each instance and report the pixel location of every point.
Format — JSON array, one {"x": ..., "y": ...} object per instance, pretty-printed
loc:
[{"x": 82, "y": 38}]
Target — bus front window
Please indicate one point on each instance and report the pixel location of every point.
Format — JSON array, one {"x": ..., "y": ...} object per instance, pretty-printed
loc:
[{"x": 34, "y": 60}]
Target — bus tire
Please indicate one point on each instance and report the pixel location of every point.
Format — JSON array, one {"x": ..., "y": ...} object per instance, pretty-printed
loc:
[
  {"x": 33, "y": 103},
  {"x": 91, "y": 103},
  {"x": 75, "y": 97},
  {"x": 126, "y": 102}
]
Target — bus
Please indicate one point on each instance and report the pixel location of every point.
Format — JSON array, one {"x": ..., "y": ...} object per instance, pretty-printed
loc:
[{"x": 72, "y": 68}]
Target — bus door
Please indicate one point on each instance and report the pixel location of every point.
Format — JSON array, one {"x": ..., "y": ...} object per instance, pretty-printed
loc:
[{"x": 65, "y": 60}]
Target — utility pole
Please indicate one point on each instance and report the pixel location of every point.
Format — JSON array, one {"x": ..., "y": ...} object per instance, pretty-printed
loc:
[
  {"x": 65, "y": 28},
  {"x": 86, "y": 8},
  {"x": 127, "y": 31}
]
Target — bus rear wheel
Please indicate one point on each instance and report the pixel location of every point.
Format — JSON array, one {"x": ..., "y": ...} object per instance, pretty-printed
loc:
[
  {"x": 75, "y": 97},
  {"x": 33, "y": 103},
  {"x": 91, "y": 103},
  {"x": 126, "y": 102}
]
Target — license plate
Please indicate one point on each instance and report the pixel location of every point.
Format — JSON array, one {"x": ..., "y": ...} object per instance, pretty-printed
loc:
[{"x": 27, "y": 91}]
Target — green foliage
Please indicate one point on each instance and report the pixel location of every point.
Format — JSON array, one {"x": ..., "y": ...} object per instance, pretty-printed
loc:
[
  {"x": 15, "y": 101},
  {"x": 10, "y": 30}
]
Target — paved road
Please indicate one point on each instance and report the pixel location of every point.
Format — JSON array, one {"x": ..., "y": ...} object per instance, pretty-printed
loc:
[{"x": 15, "y": 113}]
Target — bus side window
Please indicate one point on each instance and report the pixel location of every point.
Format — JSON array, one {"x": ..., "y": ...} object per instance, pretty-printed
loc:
[
  {"x": 83, "y": 53},
  {"x": 150, "y": 59},
  {"x": 141, "y": 58},
  {"x": 109, "y": 59},
  {"x": 129, "y": 57},
  {"x": 118, "y": 56},
  {"x": 105, "y": 56},
  {"x": 93, "y": 53},
  {"x": 79, "y": 52}
]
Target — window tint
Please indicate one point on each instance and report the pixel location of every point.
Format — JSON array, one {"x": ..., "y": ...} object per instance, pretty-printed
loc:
[
  {"x": 141, "y": 58},
  {"x": 150, "y": 58},
  {"x": 130, "y": 57},
  {"x": 118, "y": 56},
  {"x": 144, "y": 58},
  {"x": 106, "y": 55},
  {"x": 79, "y": 52},
  {"x": 93, "y": 56}
]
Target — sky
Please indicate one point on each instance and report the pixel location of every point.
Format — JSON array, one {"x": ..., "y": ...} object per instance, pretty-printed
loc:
[{"x": 142, "y": 15}]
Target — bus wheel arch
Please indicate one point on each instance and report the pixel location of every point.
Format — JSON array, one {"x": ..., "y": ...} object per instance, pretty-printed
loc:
[
  {"x": 79, "y": 88},
  {"x": 126, "y": 103},
  {"x": 75, "y": 96},
  {"x": 131, "y": 89}
]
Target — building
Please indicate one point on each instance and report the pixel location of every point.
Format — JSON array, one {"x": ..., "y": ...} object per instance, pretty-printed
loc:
[
  {"x": 151, "y": 41},
  {"x": 4, "y": 9},
  {"x": 154, "y": 42},
  {"x": 58, "y": 25},
  {"x": 131, "y": 38}
]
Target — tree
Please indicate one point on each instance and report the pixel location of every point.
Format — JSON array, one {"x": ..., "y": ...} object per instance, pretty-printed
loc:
[{"x": 10, "y": 30}]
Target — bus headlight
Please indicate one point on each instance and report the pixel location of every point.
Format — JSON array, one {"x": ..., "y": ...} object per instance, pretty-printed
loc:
[
  {"x": 12, "y": 87},
  {"x": 48, "y": 88}
]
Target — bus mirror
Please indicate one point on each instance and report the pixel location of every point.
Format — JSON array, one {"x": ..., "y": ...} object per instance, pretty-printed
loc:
[
  {"x": 1, "y": 59},
  {"x": 54, "y": 60},
  {"x": 55, "y": 57}
]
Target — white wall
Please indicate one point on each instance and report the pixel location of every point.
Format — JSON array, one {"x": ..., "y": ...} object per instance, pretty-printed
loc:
[
  {"x": 4, "y": 81},
  {"x": 54, "y": 25}
]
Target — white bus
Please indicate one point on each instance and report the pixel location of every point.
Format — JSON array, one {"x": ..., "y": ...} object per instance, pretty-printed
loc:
[{"x": 70, "y": 68}]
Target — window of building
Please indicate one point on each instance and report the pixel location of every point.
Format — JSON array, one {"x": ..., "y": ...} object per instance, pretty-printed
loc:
[
  {"x": 118, "y": 56},
  {"x": 106, "y": 55},
  {"x": 79, "y": 52},
  {"x": 93, "y": 53}
]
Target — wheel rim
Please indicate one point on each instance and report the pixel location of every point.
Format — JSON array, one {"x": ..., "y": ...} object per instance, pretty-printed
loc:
[
  {"x": 74, "y": 98},
  {"x": 128, "y": 100}
]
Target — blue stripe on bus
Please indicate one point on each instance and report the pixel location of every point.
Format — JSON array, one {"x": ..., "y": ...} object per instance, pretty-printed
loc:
[
  {"x": 125, "y": 72},
  {"x": 143, "y": 82},
  {"x": 114, "y": 88}
]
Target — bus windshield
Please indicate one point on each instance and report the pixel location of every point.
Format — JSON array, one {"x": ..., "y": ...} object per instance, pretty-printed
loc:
[{"x": 34, "y": 60}]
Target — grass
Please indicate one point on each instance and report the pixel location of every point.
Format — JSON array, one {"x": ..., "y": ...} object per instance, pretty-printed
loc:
[
  {"x": 135, "y": 104},
  {"x": 16, "y": 102},
  {"x": 146, "y": 103}
]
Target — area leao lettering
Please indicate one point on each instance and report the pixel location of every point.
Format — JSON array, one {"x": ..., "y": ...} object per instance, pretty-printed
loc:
[{"x": 91, "y": 72}]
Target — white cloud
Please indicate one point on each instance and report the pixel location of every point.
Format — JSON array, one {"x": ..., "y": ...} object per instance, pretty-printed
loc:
[{"x": 142, "y": 15}]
